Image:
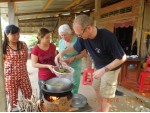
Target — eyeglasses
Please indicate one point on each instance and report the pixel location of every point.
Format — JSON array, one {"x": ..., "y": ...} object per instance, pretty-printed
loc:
[{"x": 82, "y": 32}]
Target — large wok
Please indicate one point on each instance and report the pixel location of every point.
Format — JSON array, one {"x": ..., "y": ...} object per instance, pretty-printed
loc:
[{"x": 58, "y": 85}]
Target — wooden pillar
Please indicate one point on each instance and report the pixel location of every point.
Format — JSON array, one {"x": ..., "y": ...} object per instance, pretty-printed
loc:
[
  {"x": 11, "y": 13},
  {"x": 3, "y": 106},
  {"x": 146, "y": 30},
  {"x": 97, "y": 11},
  {"x": 16, "y": 21},
  {"x": 139, "y": 28}
]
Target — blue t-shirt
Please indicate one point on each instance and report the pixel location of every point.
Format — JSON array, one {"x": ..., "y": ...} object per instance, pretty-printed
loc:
[{"x": 103, "y": 49}]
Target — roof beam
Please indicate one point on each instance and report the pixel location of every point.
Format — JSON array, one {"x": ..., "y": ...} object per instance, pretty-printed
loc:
[
  {"x": 71, "y": 4},
  {"x": 38, "y": 19},
  {"x": 33, "y": 13},
  {"x": 35, "y": 21},
  {"x": 47, "y": 5},
  {"x": 83, "y": 1},
  {"x": 29, "y": 32},
  {"x": 14, "y": 0},
  {"x": 49, "y": 26}
]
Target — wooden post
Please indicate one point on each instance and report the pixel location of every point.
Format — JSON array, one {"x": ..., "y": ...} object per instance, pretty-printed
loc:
[
  {"x": 139, "y": 28},
  {"x": 16, "y": 21},
  {"x": 145, "y": 31},
  {"x": 11, "y": 13},
  {"x": 97, "y": 11},
  {"x": 3, "y": 106}
]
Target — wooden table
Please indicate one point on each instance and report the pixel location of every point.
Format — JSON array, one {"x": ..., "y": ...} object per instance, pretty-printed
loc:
[{"x": 124, "y": 68}]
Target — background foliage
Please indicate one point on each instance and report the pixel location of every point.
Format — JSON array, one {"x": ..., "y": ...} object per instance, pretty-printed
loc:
[{"x": 32, "y": 40}]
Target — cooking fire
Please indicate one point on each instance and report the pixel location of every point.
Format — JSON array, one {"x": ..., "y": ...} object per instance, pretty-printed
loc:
[{"x": 53, "y": 99}]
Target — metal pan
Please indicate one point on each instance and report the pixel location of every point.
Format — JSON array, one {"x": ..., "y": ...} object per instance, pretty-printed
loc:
[
  {"x": 58, "y": 85},
  {"x": 54, "y": 92}
]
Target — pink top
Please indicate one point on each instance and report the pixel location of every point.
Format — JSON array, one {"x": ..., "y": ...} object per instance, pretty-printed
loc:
[
  {"x": 15, "y": 63},
  {"x": 45, "y": 57}
]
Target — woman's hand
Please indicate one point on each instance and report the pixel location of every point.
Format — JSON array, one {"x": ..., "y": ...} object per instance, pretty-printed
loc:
[
  {"x": 99, "y": 73},
  {"x": 64, "y": 64},
  {"x": 50, "y": 67},
  {"x": 58, "y": 59}
]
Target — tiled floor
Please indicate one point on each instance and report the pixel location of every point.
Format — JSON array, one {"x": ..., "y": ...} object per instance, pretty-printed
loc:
[{"x": 130, "y": 82}]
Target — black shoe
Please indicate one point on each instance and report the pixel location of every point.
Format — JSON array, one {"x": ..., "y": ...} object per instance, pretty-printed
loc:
[{"x": 118, "y": 93}]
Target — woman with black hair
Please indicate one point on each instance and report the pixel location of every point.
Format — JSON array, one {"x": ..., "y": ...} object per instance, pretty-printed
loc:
[{"x": 15, "y": 70}]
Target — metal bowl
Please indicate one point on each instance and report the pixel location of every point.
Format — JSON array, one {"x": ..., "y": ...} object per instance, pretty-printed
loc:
[{"x": 79, "y": 101}]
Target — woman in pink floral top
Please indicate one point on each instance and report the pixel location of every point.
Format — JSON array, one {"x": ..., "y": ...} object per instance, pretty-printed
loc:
[{"x": 15, "y": 70}]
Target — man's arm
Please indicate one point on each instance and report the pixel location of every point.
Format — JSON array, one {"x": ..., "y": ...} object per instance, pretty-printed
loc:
[
  {"x": 60, "y": 55},
  {"x": 81, "y": 55},
  {"x": 100, "y": 72},
  {"x": 68, "y": 50},
  {"x": 78, "y": 56},
  {"x": 116, "y": 62}
]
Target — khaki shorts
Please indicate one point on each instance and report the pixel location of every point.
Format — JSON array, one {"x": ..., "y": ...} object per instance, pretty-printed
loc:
[{"x": 107, "y": 84}]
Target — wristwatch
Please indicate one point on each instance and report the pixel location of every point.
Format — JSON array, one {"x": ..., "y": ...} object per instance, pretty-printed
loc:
[{"x": 106, "y": 69}]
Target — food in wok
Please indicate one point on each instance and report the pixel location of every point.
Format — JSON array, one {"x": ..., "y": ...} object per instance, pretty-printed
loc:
[
  {"x": 62, "y": 70},
  {"x": 56, "y": 84}
]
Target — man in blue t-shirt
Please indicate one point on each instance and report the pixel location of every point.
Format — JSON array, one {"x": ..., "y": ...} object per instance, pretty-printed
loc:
[{"x": 106, "y": 53}]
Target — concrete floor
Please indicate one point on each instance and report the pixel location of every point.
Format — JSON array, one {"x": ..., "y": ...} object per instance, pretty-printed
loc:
[{"x": 125, "y": 103}]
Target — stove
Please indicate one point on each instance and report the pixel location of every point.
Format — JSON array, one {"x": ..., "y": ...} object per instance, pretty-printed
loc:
[{"x": 56, "y": 102}]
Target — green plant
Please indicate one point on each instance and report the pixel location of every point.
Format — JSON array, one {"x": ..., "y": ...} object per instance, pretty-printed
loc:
[
  {"x": 55, "y": 41},
  {"x": 32, "y": 40}
]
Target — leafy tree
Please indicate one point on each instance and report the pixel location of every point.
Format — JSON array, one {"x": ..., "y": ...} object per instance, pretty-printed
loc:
[
  {"x": 32, "y": 40},
  {"x": 55, "y": 41}
]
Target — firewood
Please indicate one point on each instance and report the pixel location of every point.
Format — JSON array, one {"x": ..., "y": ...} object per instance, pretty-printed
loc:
[{"x": 28, "y": 105}]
